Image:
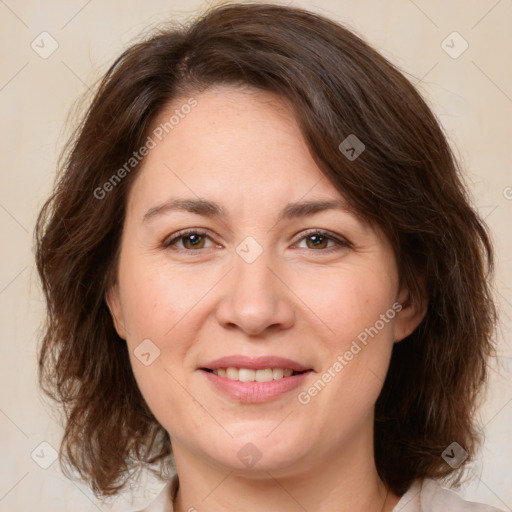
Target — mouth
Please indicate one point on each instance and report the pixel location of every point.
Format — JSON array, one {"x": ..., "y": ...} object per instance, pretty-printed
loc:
[
  {"x": 254, "y": 375},
  {"x": 254, "y": 379}
]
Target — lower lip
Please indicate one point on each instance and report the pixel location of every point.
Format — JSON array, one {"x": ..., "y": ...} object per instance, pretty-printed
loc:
[{"x": 255, "y": 392}]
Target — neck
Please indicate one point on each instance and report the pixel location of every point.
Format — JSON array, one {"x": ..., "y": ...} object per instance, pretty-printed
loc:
[{"x": 344, "y": 480}]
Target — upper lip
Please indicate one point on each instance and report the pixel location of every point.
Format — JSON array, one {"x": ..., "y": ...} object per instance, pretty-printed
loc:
[{"x": 254, "y": 363}]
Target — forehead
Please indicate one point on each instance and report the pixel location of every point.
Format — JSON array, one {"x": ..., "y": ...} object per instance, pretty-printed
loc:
[{"x": 240, "y": 140}]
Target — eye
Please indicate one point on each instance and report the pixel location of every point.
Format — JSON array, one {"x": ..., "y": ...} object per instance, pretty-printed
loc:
[
  {"x": 194, "y": 239},
  {"x": 319, "y": 238}
]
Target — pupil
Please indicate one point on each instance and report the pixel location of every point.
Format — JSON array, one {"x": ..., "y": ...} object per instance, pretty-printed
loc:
[
  {"x": 194, "y": 239},
  {"x": 317, "y": 240}
]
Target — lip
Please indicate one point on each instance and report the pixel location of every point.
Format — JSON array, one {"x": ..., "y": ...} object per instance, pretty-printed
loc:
[
  {"x": 255, "y": 392},
  {"x": 255, "y": 363}
]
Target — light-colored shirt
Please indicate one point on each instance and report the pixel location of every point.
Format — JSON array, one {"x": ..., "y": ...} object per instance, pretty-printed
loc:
[{"x": 423, "y": 496}]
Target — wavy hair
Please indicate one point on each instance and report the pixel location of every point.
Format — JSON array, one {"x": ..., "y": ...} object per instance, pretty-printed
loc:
[{"x": 406, "y": 181}]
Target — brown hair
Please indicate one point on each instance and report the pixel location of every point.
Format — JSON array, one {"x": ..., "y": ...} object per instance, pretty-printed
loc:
[{"x": 406, "y": 181}]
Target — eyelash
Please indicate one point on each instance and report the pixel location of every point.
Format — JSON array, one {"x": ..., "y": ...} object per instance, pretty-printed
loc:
[{"x": 340, "y": 243}]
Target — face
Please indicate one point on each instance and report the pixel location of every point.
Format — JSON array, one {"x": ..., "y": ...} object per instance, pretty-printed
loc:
[{"x": 249, "y": 275}]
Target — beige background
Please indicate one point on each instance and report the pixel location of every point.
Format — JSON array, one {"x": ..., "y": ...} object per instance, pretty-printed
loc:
[{"x": 471, "y": 94}]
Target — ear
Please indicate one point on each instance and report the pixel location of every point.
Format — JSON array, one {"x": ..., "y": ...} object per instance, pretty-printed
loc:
[
  {"x": 411, "y": 314},
  {"x": 114, "y": 305}
]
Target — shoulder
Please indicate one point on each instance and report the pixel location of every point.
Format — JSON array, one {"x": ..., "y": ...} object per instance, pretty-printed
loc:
[
  {"x": 164, "y": 499},
  {"x": 428, "y": 496}
]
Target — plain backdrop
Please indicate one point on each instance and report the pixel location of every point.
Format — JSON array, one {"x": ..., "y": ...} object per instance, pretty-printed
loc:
[{"x": 458, "y": 53}]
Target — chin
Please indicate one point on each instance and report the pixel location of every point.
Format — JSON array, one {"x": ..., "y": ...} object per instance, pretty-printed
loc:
[{"x": 260, "y": 452}]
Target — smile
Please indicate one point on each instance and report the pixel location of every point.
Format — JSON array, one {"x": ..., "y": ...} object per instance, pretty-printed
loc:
[
  {"x": 250, "y": 375},
  {"x": 242, "y": 384}
]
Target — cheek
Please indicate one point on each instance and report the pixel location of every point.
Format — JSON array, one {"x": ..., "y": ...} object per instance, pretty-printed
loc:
[
  {"x": 157, "y": 302},
  {"x": 155, "y": 298},
  {"x": 357, "y": 342},
  {"x": 348, "y": 300},
  {"x": 153, "y": 311}
]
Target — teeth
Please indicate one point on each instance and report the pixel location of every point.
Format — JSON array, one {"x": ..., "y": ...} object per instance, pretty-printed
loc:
[
  {"x": 277, "y": 373},
  {"x": 232, "y": 373},
  {"x": 248, "y": 375}
]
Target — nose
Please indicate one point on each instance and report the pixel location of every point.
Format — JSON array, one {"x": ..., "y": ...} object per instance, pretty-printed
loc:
[{"x": 255, "y": 297}]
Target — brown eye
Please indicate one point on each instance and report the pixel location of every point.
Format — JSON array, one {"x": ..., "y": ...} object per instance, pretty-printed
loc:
[
  {"x": 194, "y": 240},
  {"x": 190, "y": 241},
  {"x": 318, "y": 240}
]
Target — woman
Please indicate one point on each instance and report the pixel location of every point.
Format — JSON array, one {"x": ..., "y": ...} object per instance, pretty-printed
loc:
[{"x": 263, "y": 273}]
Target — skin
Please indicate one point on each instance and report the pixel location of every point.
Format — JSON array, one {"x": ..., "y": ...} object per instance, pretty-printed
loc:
[{"x": 244, "y": 150}]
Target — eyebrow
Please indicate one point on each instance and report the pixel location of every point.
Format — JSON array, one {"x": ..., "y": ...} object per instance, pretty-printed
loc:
[{"x": 213, "y": 209}]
